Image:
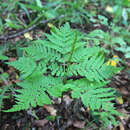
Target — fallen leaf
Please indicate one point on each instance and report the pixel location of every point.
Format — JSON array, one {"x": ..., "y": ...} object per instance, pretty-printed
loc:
[
  {"x": 109, "y": 9},
  {"x": 121, "y": 126},
  {"x": 67, "y": 100},
  {"x": 119, "y": 100},
  {"x": 28, "y": 36},
  {"x": 51, "y": 110},
  {"x": 41, "y": 123},
  {"x": 50, "y": 25},
  {"x": 79, "y": 124},
  {"x": 12, "y": 59}
]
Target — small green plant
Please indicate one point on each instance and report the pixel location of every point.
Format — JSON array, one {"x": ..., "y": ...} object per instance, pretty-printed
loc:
[
  {"x": 18, "y": 15},
  {"x": 116, "y": 39},
  {"x": 119, "y": 9},
  {"x": 47, "y": 69}
]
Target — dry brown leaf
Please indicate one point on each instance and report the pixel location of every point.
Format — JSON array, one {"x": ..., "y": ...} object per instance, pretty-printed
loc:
[
  {"x": 67, "y": 100},
  {"x": 121, "y": 126},
  {"x": 51, "y": 110},
  {"x": 79, "y": 124},
  {"x": 28, "y": 36},
  {"x": 17, "y": 39},
  {"x": 12, "y": 59},
  {"x": 41, "y": 123}
]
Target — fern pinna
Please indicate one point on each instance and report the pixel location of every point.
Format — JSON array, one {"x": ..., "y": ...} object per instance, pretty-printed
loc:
[{"x": 46, "y": 64}]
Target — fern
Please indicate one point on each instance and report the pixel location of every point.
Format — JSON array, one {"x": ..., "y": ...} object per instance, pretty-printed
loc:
[
  {"x": 92, "y": 66},
  {"x": 63, "y": 38},
  {"x": 96, "y": 97},
  {"x": 33, "y": 92},
  {"x": 46, "y": 64},
  {"x": 23, "y": 65}
]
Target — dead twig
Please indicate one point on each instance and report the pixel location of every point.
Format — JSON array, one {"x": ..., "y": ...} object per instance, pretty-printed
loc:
[
  {"x": 6, "y": 37},
  {"x": 6, "y": 83}
]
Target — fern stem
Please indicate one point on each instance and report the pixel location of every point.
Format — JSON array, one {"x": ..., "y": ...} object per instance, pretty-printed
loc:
[{"x": 70, "y": 57}]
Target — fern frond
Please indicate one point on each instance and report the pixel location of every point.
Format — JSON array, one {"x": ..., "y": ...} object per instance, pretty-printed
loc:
[
  {"x": 38, "y": 51},
  {"x": 33, "y": 92},
  {"x": 63, "y": 39},
  {"x": 92, "y": 66},
  {"x": 93, "y": 94},
  {"x": 23, "y": 65},
  {"x": 96, "y": 97},
  {"x": 106, "y": 118}
]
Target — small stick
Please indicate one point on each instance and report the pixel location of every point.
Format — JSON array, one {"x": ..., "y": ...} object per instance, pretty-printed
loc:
[
  {"x": 6, "y": 83},
  {"x": 27, "y": 30}
]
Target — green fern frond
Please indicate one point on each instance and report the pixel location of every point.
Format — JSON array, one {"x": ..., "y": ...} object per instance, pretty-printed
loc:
[
  {"x": 97, "y": 98},
  {"x": 63, "y": 39},
  {"x": 84, "y": 53},
  {"x": 92, "y": 91},
  {"x": 57, "y": 70},
  {"x": 38, "y": 51},
  {"x": 23, "y": 65},
  {"x": 33, "y": 92},
  {"x": 92, "y": 67},
  {"x": 106, "y": 118}
]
